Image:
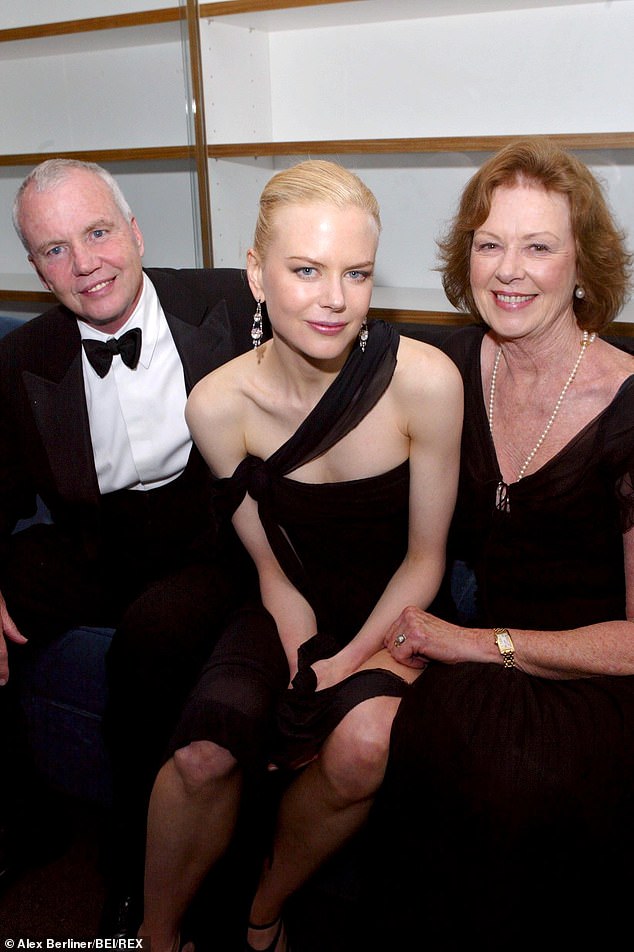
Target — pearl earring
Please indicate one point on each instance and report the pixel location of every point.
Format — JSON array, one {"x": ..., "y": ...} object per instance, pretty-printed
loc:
[{"x": 579, "y": 292}]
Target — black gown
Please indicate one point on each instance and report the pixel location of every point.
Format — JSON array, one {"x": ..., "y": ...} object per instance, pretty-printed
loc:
[
  {"x": 521, "y": 788},
  {"x": 339, "y": 543}
]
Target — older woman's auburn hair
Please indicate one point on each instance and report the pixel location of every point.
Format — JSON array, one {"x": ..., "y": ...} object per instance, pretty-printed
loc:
[
  {"x": 603, "y": 261},
  {"x": 307, "y": 183}
]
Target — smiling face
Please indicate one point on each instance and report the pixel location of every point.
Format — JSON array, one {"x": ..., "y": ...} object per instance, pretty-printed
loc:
[
  {"x": 316, "y": 276},
  {"x": 523, "y": 261},
  {"x": 84, "y": 249}
]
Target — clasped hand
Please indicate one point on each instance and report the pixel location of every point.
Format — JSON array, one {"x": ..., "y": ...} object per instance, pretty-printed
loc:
[{"x": 426, "y": 638}]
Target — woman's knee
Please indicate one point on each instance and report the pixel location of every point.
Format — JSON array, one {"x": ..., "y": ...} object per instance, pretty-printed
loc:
[
  {"x": 355, "y": 755},
  {"x": 202, "y": 763}
]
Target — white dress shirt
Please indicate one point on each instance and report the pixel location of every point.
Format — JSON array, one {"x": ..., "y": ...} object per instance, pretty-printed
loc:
[{"x": 137, "y": 423}]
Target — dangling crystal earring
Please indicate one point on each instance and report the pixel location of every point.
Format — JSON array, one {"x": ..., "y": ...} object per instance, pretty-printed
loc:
[
  {"x": 579, "y": 292},
  {"x": 256, "y": 330},
  {"x": 363, "y": 336}
]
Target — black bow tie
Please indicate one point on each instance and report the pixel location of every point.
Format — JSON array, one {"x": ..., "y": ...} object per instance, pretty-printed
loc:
[{"x": 100, "y": 353}]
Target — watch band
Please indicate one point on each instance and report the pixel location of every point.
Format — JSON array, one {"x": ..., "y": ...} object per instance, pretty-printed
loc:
[{"x": 505, "y": 646}]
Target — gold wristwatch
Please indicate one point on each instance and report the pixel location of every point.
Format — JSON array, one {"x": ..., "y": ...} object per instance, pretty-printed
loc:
[{"x": 505, "y": 646}]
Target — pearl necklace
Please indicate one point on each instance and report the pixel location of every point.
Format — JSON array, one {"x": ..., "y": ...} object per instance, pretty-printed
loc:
[{"x": 502, "y": 500}]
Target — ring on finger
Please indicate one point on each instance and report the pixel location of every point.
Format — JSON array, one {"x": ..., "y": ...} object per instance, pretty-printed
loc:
[{"x": 400, "y": 640}]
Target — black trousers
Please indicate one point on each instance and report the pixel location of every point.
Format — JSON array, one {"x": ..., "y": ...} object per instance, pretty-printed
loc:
[{"x": 168, "y": 587}]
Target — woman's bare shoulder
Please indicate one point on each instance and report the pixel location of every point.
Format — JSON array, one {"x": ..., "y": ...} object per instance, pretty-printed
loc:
[
  {"x": 220, "y": 392},
  {"x": 225, "y": 382},
  {"x": 425, "y": 365}
]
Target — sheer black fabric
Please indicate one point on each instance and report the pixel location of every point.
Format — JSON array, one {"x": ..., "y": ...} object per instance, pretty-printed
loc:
[{"x": 522, "y": 787}]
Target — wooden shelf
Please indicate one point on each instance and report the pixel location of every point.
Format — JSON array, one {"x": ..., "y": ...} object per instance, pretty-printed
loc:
[
  {"x": 150, "y": 154},
  {"x": 447, "y": 144},
  {"x": 232, "y": 7},
  {"x": 580, "y": 141},
  {"x": 589, "y": 141},
  {"x": 6, "y": 294},
  {"x": 91, "y": 24}
]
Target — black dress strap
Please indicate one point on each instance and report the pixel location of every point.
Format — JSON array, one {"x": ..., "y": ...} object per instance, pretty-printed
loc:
[{"x": 356, "y": 389}]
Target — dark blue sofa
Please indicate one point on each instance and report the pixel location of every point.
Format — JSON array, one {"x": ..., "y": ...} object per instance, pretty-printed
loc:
[{"x": 64, "y": 697}]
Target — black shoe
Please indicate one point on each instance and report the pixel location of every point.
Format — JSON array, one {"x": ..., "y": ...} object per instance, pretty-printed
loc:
[{"x": 121, "y": 917}]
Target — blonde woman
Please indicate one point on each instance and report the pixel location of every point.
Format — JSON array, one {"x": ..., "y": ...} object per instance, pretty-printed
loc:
[{"x": 336, "y": 446}]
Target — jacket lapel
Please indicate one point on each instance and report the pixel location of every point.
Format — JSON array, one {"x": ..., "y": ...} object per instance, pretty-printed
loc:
[
  {"x": 202, "y": 347},
  {"x": 61, "y": 417}
]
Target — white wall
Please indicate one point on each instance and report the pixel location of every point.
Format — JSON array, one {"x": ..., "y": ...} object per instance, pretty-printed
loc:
[
  {"x": 555, "y": 68},
  {"x": 319, "y": 72},
  {"x": 558, "y": 69},
  {"x": 121, "y": 88}
]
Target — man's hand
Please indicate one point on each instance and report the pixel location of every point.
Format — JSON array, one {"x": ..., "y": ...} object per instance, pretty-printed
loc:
[{"x": 8, "y": 629}]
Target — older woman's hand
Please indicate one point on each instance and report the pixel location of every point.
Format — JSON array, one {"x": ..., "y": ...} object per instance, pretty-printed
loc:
[{"x": 417, "y": 637}]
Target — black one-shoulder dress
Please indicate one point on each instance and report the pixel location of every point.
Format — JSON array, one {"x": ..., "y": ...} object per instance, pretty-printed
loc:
[{"x": 339, "y": 544}]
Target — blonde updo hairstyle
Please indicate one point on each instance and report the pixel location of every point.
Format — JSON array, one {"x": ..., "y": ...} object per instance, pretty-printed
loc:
[
  {"x": 603, "y": 261},
  {"x": 307, "y": 183}
]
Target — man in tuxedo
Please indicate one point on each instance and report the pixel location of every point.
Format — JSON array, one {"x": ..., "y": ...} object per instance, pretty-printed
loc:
[{"x": 92, "y": 395}]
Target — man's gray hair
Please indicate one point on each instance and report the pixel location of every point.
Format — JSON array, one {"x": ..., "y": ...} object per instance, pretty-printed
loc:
[{"x": 52, "y": 172}]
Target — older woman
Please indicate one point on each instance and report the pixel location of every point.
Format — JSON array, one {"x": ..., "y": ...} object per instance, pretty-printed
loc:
[{"x": 517, "y": 749}]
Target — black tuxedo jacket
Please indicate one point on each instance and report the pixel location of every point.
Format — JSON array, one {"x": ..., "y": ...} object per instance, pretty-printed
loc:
[{"x": 45, "y": 446}]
